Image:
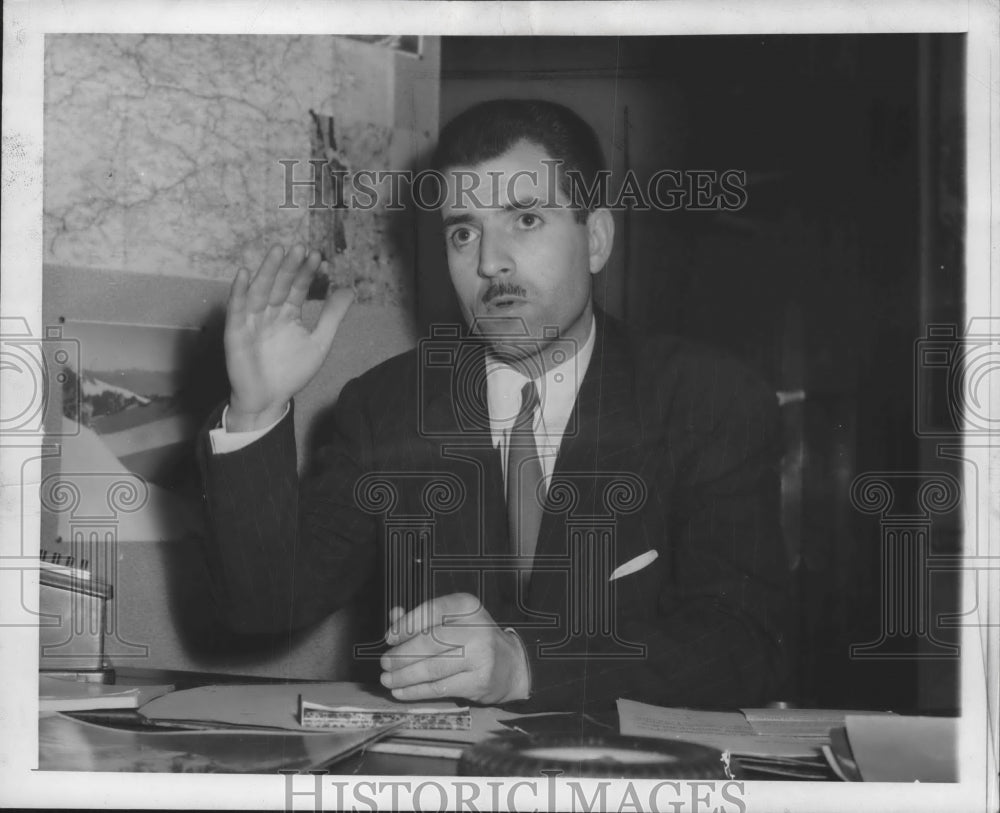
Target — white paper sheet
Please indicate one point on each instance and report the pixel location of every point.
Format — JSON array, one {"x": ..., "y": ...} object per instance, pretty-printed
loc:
[
  {"x": 725, "y": 730},
  {"x": 277, "y": 706},
  {"x": 895, "y": 748}
]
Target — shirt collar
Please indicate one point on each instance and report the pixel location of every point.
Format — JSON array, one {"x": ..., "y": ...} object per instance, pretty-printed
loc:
[{"x": 557, "y": 391}]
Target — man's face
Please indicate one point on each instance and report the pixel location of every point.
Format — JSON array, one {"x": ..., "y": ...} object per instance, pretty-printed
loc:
[{"x": 519, "y": 259}]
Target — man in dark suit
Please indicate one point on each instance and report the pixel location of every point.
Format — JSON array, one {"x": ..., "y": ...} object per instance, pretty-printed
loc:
[{"x": 559, "y": 513}]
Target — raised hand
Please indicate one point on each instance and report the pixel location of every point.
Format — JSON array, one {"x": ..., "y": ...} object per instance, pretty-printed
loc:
[
  {"x": 451, "y": 647},
  {"x": 270, "y": 353}
]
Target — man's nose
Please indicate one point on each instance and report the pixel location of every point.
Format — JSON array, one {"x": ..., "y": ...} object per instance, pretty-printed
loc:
[{"x": 494, "y": 255}]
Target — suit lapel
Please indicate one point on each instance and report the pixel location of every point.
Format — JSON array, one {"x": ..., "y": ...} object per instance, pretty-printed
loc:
[
  {"x": 456, "y": 418},
  {"x": 604, "y": 413},
  {"x": 603, "y": 423}
]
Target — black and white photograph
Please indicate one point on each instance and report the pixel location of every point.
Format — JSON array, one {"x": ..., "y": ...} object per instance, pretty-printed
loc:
[
  {"x": 557, "y": 406},
  {"x": 130, "y": 393}
]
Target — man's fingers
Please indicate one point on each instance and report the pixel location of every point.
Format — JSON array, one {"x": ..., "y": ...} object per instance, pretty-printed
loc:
[
  {"x": 237, "y": 305},
  {"x": 460, "y": 685},
  {"x": 263, "y": 280},
  {"x": 433, "y": 643},
  {"x": 430, "y": 614},
  {"x": 334, "y": 308},
  {"x": 450, "y": 662},
  {"x": 290, "y": 272},
  {"x": 395, "y": 614},
  {"x": 303, "y": 280},
  {"x": 286, "y": 273},
  {"x": 419, "y": 620}
]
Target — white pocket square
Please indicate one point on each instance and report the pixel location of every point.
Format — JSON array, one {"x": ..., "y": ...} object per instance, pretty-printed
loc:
[{"x": 632, "y": 565}]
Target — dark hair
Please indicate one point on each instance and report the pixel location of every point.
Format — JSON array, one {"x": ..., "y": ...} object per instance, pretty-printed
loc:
[{"x": 487, "y": 130}]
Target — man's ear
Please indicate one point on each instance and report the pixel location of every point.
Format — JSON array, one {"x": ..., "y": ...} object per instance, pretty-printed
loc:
[{"x": 601, "y": 237}]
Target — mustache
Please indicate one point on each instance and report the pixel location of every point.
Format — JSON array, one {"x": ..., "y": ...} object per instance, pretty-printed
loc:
[{"x": 498, "y": 289}]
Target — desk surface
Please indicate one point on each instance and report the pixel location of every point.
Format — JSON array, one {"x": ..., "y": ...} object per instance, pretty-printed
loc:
[{"x": 361, "y": 763}]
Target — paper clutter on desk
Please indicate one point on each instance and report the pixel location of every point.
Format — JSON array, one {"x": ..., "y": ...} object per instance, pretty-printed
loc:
[
  {"x": 63, "y": 694},
  {"x": 67, "y": 744},
  {"x": 784, "y": 743},
  {"x": 437, "y": 717},
  {"x": 280, "y": 705}
]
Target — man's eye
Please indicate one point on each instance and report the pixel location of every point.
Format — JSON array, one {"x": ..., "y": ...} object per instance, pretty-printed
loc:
[
  {"x": 529, "y": 220},
  {"x": 462, "y": 236}
]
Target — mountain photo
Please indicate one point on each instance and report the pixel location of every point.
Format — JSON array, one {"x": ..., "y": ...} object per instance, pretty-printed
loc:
[{"x": 130, "y": 393}]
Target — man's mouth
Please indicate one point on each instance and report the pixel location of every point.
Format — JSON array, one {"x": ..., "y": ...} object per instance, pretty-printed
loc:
[
  {"x": 505, "y": 302},
  {"x": 503, "y": 295}
]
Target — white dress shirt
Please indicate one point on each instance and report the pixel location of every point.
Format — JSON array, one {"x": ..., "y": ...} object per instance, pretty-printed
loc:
[{"x": 557, "y": 391}]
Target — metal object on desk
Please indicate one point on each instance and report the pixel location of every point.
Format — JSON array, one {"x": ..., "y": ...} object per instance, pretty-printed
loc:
[
  {"x": 605, "y": 756},
  {"x": 72, "y": 608}
]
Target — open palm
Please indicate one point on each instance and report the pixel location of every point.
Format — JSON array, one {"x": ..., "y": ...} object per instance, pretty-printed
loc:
[{"x": 270, "y": 353}]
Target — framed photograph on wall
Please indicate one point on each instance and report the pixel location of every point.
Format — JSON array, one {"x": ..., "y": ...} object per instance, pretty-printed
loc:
[{"x": 131, "y": 393}]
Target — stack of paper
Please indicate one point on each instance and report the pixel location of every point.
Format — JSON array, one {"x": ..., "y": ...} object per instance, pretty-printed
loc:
[
  {"x": 213, "y": 728},
  {"x": 296, "y": 706},
  {"x": 440, "y": 729},
  {"x": 780, "y": 742},
  {"x": 63, "y": 694},
  {"x": 434, "y": 717},
  {"x": 68, "y": 744}
]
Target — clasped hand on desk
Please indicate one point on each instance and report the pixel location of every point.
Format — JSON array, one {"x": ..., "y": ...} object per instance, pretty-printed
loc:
[{"x": 450, "y": 646}]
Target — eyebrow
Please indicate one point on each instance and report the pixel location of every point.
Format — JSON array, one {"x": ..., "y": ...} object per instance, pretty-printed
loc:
[
  {"x": 522, "y": 205},
  {"x": 513, "y": 206},
  {"x": 455, "y": 220}
]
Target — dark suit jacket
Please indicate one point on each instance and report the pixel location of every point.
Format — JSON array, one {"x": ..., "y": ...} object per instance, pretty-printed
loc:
[{"x": 671, "y": 448}]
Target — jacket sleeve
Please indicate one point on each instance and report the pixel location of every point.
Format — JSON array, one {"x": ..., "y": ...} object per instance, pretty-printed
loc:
[
  {"x": 713, "y": 631},
  {"x": 283, "y": 554}
]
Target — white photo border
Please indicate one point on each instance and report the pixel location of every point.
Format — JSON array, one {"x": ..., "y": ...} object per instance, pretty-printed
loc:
[{"x": 25, "y": 26}]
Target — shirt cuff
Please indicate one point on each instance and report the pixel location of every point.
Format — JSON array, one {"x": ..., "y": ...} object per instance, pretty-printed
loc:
[{"x": 224, "y": 442}]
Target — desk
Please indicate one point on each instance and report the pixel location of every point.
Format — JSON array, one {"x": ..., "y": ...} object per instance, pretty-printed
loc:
[
  {"x": 362, "y": 763},
  {"x": 70, "y": 745},
  {"x": 369, "y": 764}
]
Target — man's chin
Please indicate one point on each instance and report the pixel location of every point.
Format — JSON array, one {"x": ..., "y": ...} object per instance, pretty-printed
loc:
[
  {"x": 498, "y": 327},
  {"x": 500, "y": 331}
]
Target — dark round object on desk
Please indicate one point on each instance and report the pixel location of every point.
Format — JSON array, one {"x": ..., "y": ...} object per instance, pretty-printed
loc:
[{"x": 597, "y": 756}]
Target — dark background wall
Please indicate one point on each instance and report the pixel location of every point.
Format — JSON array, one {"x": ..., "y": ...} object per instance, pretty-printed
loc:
[{"x": 848, "y": 247}]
